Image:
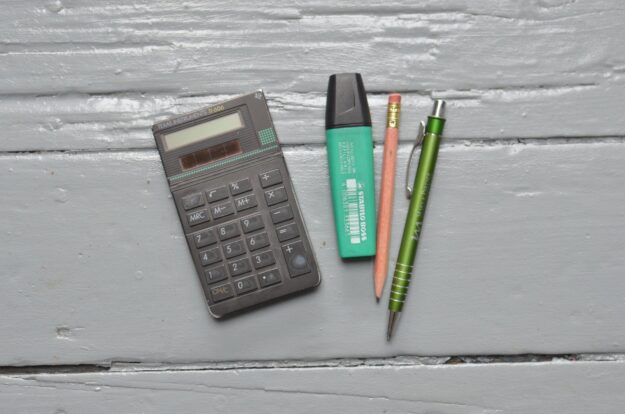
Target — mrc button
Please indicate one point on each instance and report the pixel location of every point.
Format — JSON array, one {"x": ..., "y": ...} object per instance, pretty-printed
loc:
[{"x": 197, "y": 217}]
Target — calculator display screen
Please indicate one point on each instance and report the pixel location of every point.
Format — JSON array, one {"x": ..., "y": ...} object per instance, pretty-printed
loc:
[
  {"x": 210, "y": 154},
  {"x": 203, "y": 131}
]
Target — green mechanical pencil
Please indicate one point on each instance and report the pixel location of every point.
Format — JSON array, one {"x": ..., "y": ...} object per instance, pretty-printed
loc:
[{"x": 416, "y": 211}]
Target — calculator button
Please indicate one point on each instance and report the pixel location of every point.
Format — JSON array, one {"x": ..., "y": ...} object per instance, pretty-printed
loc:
[
  {"x": 210, "y": 256},
  {"x": 252, "y": 223},
  {"x": 192, "y": 201},
  {"x": 263, "y": 259},
  {"x": 216, "y": 274},
  {"x": 270, "y": 178},
  {"x": 222, "y": 210},
  {"x": 197, "y": 217},
  {"x": 240, "y": 186},
  {"x": 238, "y": 267},
  {"x": 284, "y": 213},
  {"x": 287, "y": 232},
  {"x": 216, "y": 194},
  {"x": 269, "y": 278},
  {"x": 204, "y": 238},
  {"x": 247, "y": 284},
  {"x": 296, "y": 258},
  {"x": 235, "y": 248},
  {"x": 245, "y": 202},
  {"x": 228, "y": 231},
  {"x": 258, "y": 241},
  {"x": 275, "y": 196},
  {"x": 222, "y": 292}
]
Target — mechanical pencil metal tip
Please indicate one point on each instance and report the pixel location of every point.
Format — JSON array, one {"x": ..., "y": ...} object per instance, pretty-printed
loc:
[
  {"x": 392, "y": 318},
  {"x": 438, "y": 110}
]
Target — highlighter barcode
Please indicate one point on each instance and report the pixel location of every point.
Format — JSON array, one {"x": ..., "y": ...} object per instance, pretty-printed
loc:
[{"x": 351, "y": 195}]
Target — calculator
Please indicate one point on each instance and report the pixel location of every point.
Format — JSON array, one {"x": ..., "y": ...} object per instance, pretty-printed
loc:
[{"x": 235, "y": 200}]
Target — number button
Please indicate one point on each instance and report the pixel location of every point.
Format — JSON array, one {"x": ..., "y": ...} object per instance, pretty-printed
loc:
[
  {"x": 240, "y": 186},
  {"x": 275, "y": 196},
  {"x": 192, "y": 201},
  {"x": 270, "y": 178},
  {"x": 204, "y": 238},
  {"x": 228, "y": 231},
  {"x": 263, "y": 259},
  {"x": 258, "y": 241},
  {"x": 222, "y": 210},
  {"x": 252, "y": 223},
  {"x": 284, "y": 213},
  {"x": 216, "y": 194},
  {"x": 245, "y": 202},
  {"x": 269, "y": 278},
  {"x": 216, "y": 274},
  {"x": 210, "y": 256},
  {"x": 296, "y": 258},
  {"x": 247, "y": 284},
  {"x": 197, "y": 217},
  {"x": 287, "y": 232},
  {"x": 222, "y": 292},
  {"x": 238, "y": 267},
  {"x": 233, "y": 249}
]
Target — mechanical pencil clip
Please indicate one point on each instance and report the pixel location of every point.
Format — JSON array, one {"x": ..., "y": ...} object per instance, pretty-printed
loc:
[
  {"x": 429, "y": 136},
  {"x": 387, "y": 187}
]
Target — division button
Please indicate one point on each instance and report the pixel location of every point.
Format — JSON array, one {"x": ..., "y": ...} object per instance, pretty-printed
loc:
[
  {"x": 197, "y": 217},
  {"x": 228, "y": 231},
  {"x": 210, "y": 256},
  {"x": 221, "y": 292},
  {"x": 245, "y": 202},
  {"x": 240, "y": 186},
  {"x": 216, "y": 194},
  {"x": 269, "y": 278},
  {"x": 222, "y": 210},
  {"x": 258, "y": 241},
  {"x": 233, "y": 249},
  {"x": 296, "y": 258},
  {"x": 252, "y": 223},
  {"x": 287, "y": 232},
  {"x": 216, "y": 274},
  {"x": 270, "y": 178},
  {"x": 238, "y": 267},
  {"x": 275, "y": 196},
  {"x": 204, "y": 238},
  {"x": 263, "y": 259},
  {"x": 284, "y": 213},
  {"x": 247, "y": 284},
  {"x": 192, "y": 201}
]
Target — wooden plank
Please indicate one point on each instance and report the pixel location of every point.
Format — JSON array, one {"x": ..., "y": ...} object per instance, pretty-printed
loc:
[
  {"x": 557, "y": 388},
  {"x": 118, "y": 121},
  {"x": 521, "y": 254},
  {"x": 94, "y": 75}
]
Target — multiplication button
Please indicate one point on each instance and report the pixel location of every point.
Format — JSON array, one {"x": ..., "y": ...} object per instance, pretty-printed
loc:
[
  {"x": 296, "y": 258},
  {"x": 275, "y": 196},
  {"x": 270, "y": 178}
]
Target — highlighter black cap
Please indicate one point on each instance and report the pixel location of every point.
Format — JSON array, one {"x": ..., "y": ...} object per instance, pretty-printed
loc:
[{"x": 347, "y": 104}]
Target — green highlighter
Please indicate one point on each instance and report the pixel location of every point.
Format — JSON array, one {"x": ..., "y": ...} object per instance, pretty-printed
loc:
[{"x": 350, "y": 161}]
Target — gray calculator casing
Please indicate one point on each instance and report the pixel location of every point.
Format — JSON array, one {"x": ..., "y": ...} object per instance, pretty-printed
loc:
[{"x": 260, "y": 153}]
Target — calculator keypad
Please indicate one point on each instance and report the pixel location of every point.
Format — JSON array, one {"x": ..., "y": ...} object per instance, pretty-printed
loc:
[{"x": 247, "y": 236}]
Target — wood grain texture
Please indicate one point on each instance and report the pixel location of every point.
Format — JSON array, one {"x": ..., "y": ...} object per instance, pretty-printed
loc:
[
  {"x": 521, "y": 254},
  {"x": 96, "y": 74},
  {"x": 555, "y": 388}
]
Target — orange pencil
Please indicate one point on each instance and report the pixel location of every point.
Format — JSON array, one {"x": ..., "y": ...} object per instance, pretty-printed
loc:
[{"x": 385, "y": 212}]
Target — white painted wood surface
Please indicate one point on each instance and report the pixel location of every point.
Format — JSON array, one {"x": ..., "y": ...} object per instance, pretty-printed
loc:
[
  {"x": 521, "y": 254},
  {"x": 555, "y": 388},
  {"x": 522, "y": 251}
]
